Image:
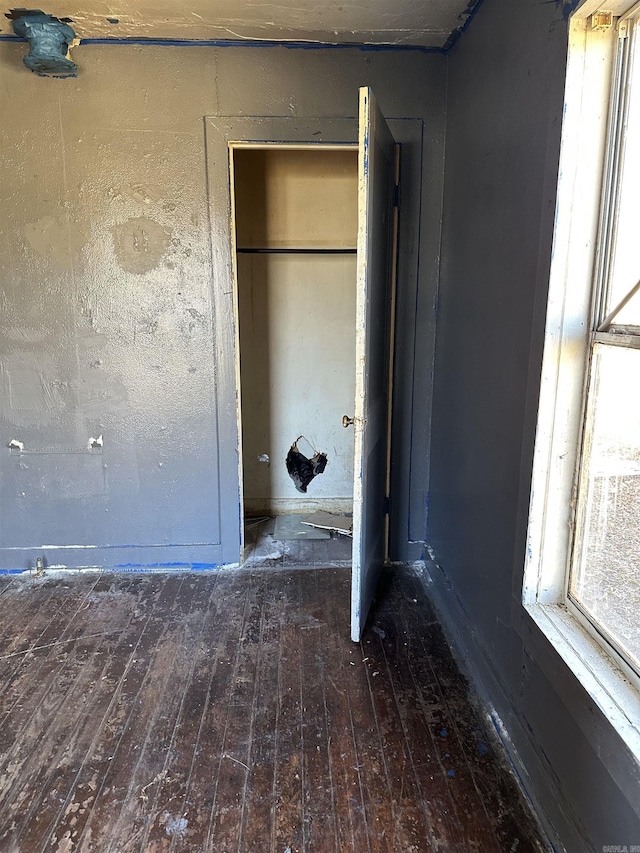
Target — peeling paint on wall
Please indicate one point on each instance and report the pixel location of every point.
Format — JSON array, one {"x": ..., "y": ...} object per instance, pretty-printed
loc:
[{"x": 140, "y": 244}]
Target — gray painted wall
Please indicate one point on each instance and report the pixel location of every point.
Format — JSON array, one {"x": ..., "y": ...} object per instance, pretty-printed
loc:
[
  {"x": 504, "y": 108},
  {"x": 108, "y": 289}
]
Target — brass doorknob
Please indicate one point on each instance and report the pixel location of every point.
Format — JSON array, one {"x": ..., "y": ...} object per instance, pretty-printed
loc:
[{"x": 347, "y": 421}]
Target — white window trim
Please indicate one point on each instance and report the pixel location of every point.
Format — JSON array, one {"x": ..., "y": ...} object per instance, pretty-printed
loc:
[{"x": 560, "y": 413}]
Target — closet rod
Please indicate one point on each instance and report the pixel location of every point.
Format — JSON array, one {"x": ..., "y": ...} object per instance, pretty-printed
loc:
[{"x": 296, "y": 251}]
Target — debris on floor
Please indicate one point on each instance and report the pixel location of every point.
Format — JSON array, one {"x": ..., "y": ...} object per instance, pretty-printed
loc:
[
  {"x": 253, "y": 521},
  {"x": 331, "y": 521},
  {"x": 289, "y": 527}
]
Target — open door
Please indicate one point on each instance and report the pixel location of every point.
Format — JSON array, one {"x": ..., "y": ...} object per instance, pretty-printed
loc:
[{"x": 375, "y": 264}]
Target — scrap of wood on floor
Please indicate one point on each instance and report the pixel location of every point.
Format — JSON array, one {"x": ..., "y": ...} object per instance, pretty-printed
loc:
[{"x": 330, "y": 521}]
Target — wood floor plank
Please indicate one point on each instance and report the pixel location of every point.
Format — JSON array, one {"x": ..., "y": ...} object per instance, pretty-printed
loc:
[
  {"x": 350, "y": 795},
  {"x": 287, "y": 829},
  {"x": 233, "y": 767},
  {"x": 257, "y": 830},
  {"x": 246, "y": 720},
  {"x": 372, "y": 766},
  {"x": 319, "y": 818}
]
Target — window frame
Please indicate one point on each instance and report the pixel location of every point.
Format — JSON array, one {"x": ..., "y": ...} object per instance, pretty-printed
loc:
[
  {"x": 604, "y": 330},
  {"x": 587, "y": 149}
]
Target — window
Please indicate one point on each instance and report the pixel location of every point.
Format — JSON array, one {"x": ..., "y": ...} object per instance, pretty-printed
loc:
[
  {"x": 582, "y": 572},
  {"x": 604, "y": 576}
]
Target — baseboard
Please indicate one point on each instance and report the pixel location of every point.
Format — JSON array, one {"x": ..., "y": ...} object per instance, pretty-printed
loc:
[{"x": 287, "y": 506}]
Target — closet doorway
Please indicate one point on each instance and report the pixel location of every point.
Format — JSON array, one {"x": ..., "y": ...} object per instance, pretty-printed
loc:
[
  {"x": 369, "y": 416},
  {"x": 296, "y": 222}
]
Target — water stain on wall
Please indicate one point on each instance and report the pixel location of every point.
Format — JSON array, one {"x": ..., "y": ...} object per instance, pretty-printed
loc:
[
  {"x": 140, "y": 244},
  {"x": 59, "y": 241}
]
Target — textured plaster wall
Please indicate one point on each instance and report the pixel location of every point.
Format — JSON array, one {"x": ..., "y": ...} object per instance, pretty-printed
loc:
[
  {"x": 105, "y": 265},
  {"x": 505, "y": 99},
  {"x": 401, "y": 23}
]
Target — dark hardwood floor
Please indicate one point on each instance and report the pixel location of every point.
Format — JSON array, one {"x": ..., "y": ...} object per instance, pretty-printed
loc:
[{"x": 230, "y": 712}]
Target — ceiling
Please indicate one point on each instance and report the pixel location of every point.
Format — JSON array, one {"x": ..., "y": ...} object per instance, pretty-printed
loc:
[{"x": 426, "y": 23}]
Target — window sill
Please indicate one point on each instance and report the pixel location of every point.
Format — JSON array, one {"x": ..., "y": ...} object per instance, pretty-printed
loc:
[{"x": 616, "y": 697}]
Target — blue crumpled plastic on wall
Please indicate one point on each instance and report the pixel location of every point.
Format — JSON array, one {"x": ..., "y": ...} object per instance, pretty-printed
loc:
[{"x": 49, "y": 41}]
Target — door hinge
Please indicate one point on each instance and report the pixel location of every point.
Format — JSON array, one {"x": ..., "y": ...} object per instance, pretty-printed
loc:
[
  {"x": 387, "y": 505},
  {"x": 396, "y": 196},
  {"x": 602, "y": 20}
]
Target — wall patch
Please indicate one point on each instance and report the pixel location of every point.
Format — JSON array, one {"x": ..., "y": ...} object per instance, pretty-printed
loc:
[
  {"x": 59, "y": 241},
  {"x": 140, "y": 244}
]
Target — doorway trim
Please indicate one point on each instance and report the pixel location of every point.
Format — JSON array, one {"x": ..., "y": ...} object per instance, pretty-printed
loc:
[{"x": 222, "y": 135}]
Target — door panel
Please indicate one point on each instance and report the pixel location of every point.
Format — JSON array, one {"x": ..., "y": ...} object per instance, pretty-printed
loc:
[{"x": 376, "y": 166}]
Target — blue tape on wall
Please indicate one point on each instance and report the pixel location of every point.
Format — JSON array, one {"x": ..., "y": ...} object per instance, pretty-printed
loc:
[{"x": 291, "y": 45}]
